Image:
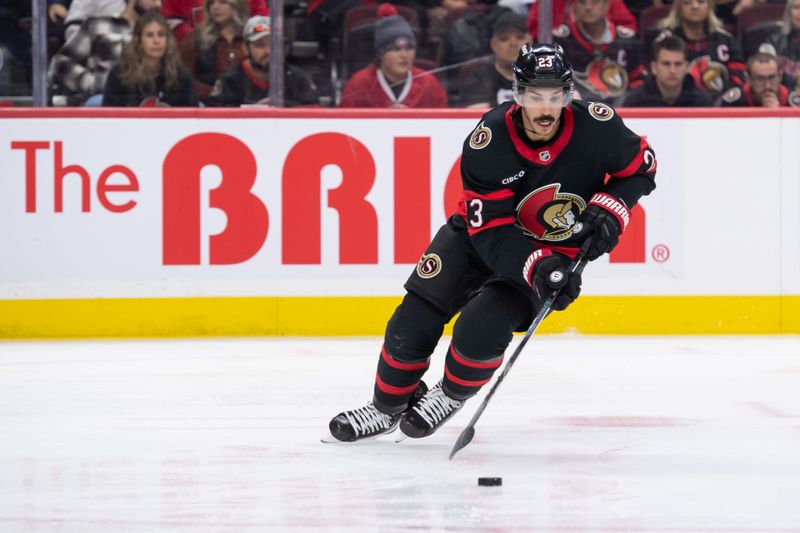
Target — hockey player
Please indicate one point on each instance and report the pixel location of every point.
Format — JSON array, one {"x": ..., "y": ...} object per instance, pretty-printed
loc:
[{"x": 535, "y": 185}]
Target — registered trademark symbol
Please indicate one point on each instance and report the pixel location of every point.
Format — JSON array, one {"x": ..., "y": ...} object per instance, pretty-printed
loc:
[{"x": 660, "y": 253}]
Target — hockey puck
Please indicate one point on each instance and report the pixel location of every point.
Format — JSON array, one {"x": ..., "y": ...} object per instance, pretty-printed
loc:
[{"x": 490, "y": 481}]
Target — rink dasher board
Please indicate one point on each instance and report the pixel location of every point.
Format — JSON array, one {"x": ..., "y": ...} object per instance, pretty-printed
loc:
[{"x": 170, "y": 237}]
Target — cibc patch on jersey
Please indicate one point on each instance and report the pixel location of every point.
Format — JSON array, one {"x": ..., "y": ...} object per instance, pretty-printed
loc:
[
  {"x": 481, "y": 137},
  {"x": 548, "y": 214},
  {"x": 429, "y": 266}
]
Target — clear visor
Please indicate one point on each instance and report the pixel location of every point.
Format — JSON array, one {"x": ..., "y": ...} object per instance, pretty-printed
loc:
[{"x": 541, "y": 97}]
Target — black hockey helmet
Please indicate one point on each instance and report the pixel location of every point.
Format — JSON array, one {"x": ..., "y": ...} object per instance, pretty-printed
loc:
[{"x": 542, "y": 65}]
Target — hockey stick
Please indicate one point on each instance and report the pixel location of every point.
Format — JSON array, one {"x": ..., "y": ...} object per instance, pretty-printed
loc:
[{"x": 469, "y": 432}]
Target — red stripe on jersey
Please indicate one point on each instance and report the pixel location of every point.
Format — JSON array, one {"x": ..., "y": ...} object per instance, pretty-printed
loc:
[
  {"x": 394, "y": 363},
  {"x": 736, "y": 65},
  {"x": 501, "y": 194},
  {"x": 391, "y": 389},
  {"x": 532, "y": 154},
  {"x": 637, "y": 77},
  {"x": 635, "y": 164},
  {"x": 507, "y": 221},
  {"x": 590, "y": 47},
  {"x": 474, "y": 364},
  {"x": 465, "y": 382}
]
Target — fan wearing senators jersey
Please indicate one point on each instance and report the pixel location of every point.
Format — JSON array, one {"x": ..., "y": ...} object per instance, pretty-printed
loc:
[{"x": 540, "y": 175}]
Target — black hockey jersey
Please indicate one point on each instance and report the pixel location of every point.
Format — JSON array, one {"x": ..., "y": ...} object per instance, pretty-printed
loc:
[
  {"x": 519, "y": 197},
  {"x": 716, "y": 63},
  {"x": 602, "y": 72},
  {"x": 648, "y": 95},
  {"x": 743, "y": 97}
]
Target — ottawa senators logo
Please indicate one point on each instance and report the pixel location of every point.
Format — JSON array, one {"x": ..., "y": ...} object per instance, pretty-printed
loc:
[
  {"x": 481, "y": 137},
  {"x": 732, "y": 95},
  {"x": 548, "y": 214},
  {"x": 429, "y": 266},
  {"x": 709, "y": 75},
  {"x": 604, "y": 77},
  {"x": 600, "y": 111}
]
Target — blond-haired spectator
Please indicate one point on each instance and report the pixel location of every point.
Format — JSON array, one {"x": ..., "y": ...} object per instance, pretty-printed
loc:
[{"x": 216, "y": 45}]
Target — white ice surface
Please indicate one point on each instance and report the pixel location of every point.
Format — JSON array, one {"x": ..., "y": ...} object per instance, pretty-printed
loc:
[{"x": 590, "y": 434}]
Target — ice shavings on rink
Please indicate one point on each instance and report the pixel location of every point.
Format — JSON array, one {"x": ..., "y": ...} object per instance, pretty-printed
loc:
[{"x": 591, "y": 434}]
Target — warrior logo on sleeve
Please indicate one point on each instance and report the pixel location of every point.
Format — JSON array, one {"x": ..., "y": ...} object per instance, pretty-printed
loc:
[{"x": 548, "y": 214}]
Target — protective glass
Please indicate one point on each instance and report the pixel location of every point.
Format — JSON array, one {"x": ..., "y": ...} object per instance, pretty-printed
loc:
[{"x": 532, "y": 97}]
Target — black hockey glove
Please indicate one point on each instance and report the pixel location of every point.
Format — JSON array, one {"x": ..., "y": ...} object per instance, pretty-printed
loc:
[
  {"x": 606, "y": 218},
  {"x": 548, "y": 271}
]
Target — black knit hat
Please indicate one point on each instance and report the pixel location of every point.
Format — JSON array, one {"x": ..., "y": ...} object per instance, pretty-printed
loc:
[{"x": 391, "y": 30}]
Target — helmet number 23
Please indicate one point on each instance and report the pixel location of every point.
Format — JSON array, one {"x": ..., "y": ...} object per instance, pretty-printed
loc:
[
  {"x": 476, "y": 213},
  {"x": 544, "y": 62}
]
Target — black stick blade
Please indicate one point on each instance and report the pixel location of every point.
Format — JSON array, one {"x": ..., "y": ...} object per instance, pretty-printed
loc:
[{"x": 463, "y": 439}]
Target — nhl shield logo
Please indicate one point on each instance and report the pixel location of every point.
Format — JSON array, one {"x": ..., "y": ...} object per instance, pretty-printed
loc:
[
  {"x": 544, "y": 156},
  {"x": 429, "y": 266},
  {"x": 481, "y": 137}
]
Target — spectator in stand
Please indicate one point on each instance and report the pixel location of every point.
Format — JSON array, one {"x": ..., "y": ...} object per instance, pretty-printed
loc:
[
  {"x": 80, "y": 67},
  {"x": 488, "y": 83},
  {"x": 438, "y": 12},
  {"x": 669, "y": 84},
  {"x": 393, "y": 81},
  {"x": 150, "y": 72},
  {"x": 185, "y": 15},
  {"x": 606, "y": 59},
  {"x": 216, "y": 45},
  {"x": 80, "y": 10},
  {"x": 764, "y": 88},
  {"x": 327, "y": 18},
  {"x": 618, "y": 14},
  {"x": 715, "y": 56},
  {"x": 786, "y": 45},
  {"x": 248, "y": 82}
]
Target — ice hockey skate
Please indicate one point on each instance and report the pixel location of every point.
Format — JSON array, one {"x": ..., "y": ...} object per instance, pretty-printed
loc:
[
  {"x": 367, "y": 422},
  {"x": 429, "y": 413}
]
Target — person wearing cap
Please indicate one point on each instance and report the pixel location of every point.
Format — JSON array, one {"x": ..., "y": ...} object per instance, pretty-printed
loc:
[
  {"x": 248, "y": 82},
  {"x": 488, "y": 82},
  {"x": 393, "y": 81}
]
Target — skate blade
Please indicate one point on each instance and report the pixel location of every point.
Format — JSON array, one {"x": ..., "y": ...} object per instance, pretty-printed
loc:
[
  {"x": 399, "y": 436},
  {"x": 328, "y": 438}
]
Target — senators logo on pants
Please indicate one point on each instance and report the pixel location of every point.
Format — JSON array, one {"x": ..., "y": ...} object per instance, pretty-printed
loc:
[
  {"x": 548, "y": 214},
  {"x": 429, "y": 266}
]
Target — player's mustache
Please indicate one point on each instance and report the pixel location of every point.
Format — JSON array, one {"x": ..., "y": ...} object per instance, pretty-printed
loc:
[{"x": 551, "y": 118}]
